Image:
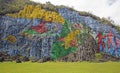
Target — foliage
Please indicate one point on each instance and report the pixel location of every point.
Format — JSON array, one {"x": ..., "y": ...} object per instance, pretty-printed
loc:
[
  {"x": 49, "y": 6},
  {"x": 118, "y": 29},
  {"x": 12, "y": 6},
  {"x": 31, "y": 11},
  {"x": 83, "y": 13},
  {"x": 106, "y": 21},
  {"x": 98, "y": 55}
]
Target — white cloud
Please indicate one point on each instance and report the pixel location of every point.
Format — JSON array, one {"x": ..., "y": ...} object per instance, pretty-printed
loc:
[{"x": 101, "y": 8}]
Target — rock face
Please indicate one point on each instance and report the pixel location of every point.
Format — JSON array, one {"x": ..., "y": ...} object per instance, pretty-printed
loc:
[
  {"x": 19, "y": 38},
  {"x": 41, "y": 48},
  {"x": 34, "y": 46},
  {"x": 107, "y": 57},
  {"x": 95, "y": 25},
  {"x": 85, "y": 52}
]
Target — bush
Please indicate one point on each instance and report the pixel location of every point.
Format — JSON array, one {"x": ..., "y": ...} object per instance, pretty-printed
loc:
[
  {"x": 25, "y": 59},
  {"x": 1, "y": 59},
  {"x": 18, "y": 61}
]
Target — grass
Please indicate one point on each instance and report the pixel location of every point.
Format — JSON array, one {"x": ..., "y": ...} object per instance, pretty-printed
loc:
[{"x": 60, "y": 67}]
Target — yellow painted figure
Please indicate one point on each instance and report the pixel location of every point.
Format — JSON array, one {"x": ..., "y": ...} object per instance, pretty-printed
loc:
[
  {"x": 71, "y": 36},
  {"x": 11, "y": 39},
  {"x": 31, "y": 11}
]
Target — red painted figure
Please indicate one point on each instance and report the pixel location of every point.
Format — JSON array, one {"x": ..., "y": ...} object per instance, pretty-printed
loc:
[
  {"x": 73, "y": 43},
  {"x": 60, "y": 39},
  {"x": 110, "y": 41},
  {"x": 40, "y": 28},
  {"x": 100, "y": 37},
  {"x": 77, "y": 25}
]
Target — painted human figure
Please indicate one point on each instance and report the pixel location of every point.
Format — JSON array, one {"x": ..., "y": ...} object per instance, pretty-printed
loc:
[
  {"x": 117, "y": 48},
  {"x": 117, "y": 42},
  {"x": 110, "y": 41},
  {"x": 100, "y": 42}
]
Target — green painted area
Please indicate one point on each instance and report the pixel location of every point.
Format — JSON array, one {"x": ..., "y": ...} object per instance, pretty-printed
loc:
[
  {"x": 48, "y": 33},
  {"x": 30, "y": 32},
  {"x": 66, "y": 29},
  {"x": 60, "y": 51},
  {"x": 60, "y": 67}
]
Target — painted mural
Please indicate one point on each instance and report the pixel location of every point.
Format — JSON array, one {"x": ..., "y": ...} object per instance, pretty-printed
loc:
[{"x": 38, "y": 33}]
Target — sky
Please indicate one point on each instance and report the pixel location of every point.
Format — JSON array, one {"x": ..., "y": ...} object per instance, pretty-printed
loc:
[{"x": 101, "y": 8}]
